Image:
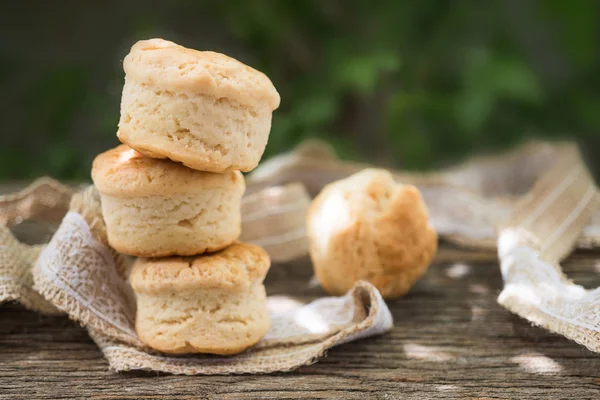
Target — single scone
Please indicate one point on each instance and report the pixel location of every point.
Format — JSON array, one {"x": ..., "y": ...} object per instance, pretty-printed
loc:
[
  {"x": 368, "y": 227},
  {"x": 157, "y": 208},
  {"x": 215, "y": 303},
  {"x": 201, "y": 108}
]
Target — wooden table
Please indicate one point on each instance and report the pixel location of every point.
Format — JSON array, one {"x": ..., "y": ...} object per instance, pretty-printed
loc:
[{"x": 451, "y": 340}]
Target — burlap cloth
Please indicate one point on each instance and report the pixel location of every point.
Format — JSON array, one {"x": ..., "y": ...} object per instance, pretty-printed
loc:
[
  {"x": 539, "y": 234},
  {"x": 77, "y": 273}
]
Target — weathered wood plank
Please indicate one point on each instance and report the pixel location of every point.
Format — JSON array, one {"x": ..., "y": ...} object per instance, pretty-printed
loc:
[{"x": 451, "y": 340}]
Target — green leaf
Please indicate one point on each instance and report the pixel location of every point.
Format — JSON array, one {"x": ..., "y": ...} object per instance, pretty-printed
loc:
[
  {"x": 316, "y": 110},
  {"x": 511, "y": 78},
  {"x": 362, "y": 73},
  {"x": 502, "y": 77},
  {"x": 473, "y": 109}
]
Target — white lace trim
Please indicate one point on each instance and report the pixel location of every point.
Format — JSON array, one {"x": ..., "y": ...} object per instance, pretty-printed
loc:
[
  {"x": 83, "y": 268},
  {"x": 543, "y": 286}
]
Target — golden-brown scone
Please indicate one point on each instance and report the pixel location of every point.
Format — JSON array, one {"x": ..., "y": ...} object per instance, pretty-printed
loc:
[
  {"x": 201, "y": 108},
  {"x": 214, "y": 303},
  {"x": 157, "y": 208},
  {"x": 368, "y": 227}
]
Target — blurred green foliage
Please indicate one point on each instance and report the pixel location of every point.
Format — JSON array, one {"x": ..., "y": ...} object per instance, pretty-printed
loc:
[{"x": 413, "y": 84}]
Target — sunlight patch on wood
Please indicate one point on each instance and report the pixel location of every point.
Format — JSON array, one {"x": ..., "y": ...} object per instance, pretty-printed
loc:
[
  {"x": 447, "y": 388},
  {"x": 427, "y": 353},
  {"x": 458, "y": 271},
  {"x": 478, "y": 288},
  {"x": 536, "y": 363},
  {"x": 478, "y": 313}
]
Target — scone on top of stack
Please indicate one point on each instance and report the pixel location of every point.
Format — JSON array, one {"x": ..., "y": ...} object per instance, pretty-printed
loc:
[
  {"x": 203, "y": 109},
  {"x": 190, "y": 122}
]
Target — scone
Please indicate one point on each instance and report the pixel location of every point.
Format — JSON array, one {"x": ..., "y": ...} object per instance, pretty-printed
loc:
[
  {"x": 368, "y": 227},
  {"x": 201, "y": 108},
  {"x": 156, "y": 208},
  {"x": 214, "y": 303}
]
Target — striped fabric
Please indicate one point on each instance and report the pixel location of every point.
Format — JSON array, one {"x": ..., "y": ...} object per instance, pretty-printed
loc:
[{"x": 541, "y": 232}]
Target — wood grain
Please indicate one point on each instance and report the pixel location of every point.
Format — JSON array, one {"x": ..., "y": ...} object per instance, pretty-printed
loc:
[{"x": 451, "y": 340}]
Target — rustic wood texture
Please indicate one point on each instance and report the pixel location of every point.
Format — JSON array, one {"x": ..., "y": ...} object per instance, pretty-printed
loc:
[{"x": 451, "y": 340}]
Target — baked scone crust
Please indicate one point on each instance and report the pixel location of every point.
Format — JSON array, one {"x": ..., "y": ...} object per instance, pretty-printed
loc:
[
  {"x": 125, "y": 172},
  {"x": 368, "y": 227},
  {"x": 158, "y": 208},
  {"x": 214, "y": 303},
  {"x": 165, "y": 64},
  {"x": 234, "y": 268},
  {"x": 203, "y": 109}
]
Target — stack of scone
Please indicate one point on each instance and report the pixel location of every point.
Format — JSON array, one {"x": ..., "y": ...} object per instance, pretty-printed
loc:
[{"x": 171, "y": 195}]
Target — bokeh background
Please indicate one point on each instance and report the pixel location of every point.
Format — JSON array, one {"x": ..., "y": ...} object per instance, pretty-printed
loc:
[{"x": 409, "y": 84}]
